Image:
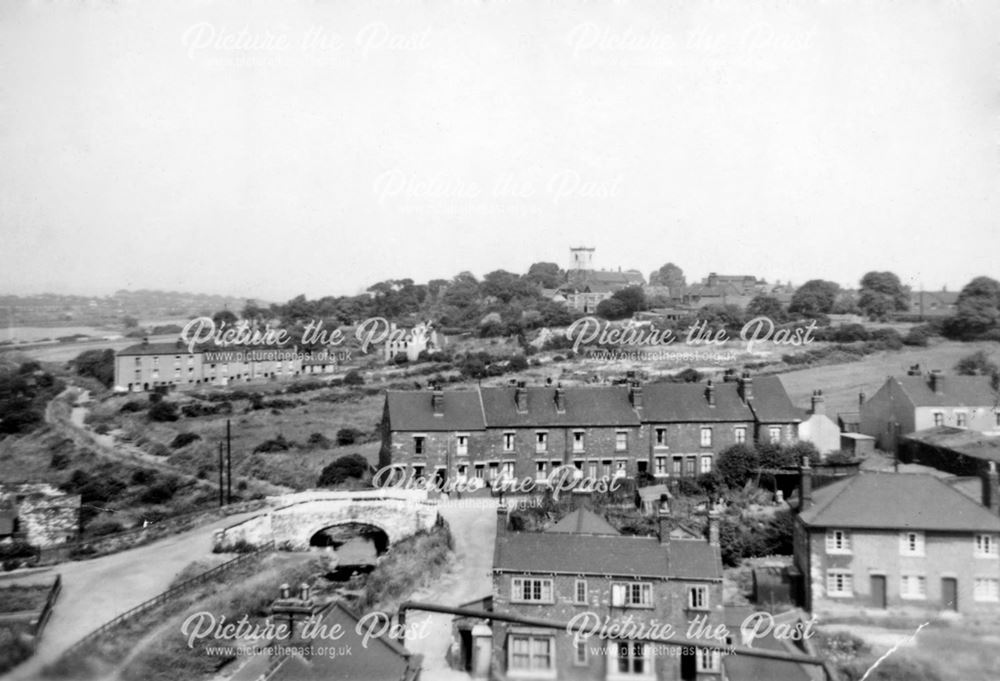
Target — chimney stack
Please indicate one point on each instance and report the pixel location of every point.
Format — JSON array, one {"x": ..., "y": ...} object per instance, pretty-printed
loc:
[
  {"x": 635, "y": 395},
  {"x": 501, "y": 519},
  {"x": 521, "y": 397},
  {"x": 713, "y": 525},
  {"x": 991, "y": 488},
  {"x": 145, "y": 340},
  {"x": 818, "y": 402},
  {"x": 861, "y": 399},
  {"x": 663, "y": 521},
  {"x": 437, "y": 400},
  {"x": 730, "y": 376},
  {"x": 805, "y": 484},
  {"x": 560, "y": 399},
  {"x": 710, "y": 393},
  {"x": 937, "y": 381},
  {"x": 746, "y": 387}
]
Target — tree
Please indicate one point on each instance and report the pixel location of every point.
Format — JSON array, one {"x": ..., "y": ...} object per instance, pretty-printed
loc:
[
  {"x": 612, "y": 308},
  {"x": 813, "y": 298},
  {"x": 546, "y": 275},
  {"x": 976, "y": 364},
  {"x": 978, "y": 309},
  {"x": 354, "y": 377},
  {"x": 669, "y": 275},
  {"x": 342, "y": 469},
  {"x": 130, "y": 322},
  {"x": 881, "y": 294},
  {"x": 163, "y": 411},
  {"x": 766, "y": 306},
  {"x": 99, "y": 364},
  {"x": 224, "y": 317},
  {"x": 737, "y": 464},
  {"x": 348, "y": 436}
]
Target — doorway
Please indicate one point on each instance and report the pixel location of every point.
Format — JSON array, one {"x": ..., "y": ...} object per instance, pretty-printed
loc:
[{"x": 878, "y": 591}]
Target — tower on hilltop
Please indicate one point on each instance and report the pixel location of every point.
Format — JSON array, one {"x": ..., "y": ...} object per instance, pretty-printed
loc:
[{"x": 581, "y": 258}]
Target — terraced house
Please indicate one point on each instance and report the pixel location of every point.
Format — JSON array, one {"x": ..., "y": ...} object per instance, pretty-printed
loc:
[{"x": 603, "y": 432}]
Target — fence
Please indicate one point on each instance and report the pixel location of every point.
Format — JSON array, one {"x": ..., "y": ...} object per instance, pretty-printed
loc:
[
  {"x": 46, "y": 612},
  {"x": 169, "y": 595}
]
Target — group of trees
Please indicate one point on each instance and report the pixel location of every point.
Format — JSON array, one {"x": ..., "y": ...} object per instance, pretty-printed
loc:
[{"x": 24, "y": 393}]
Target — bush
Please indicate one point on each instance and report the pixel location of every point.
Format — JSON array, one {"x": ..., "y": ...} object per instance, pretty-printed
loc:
[
  {"x": 319, "y": 441},
  {"x": 59, "y": 460},
  {"x": 348, "y": 436},
  {"x": 518, "y": 363},
  {"x": 278, "y": 444},
  {"x": 737, "y": 464},
  {"x": 184, "y": 439},
  {"x": 163, "y": 411},
  {"x": 354, "y": 377},
  {"x": 342, "y": 469},
  {"x": 104, "y": 526},
  {"x": 99, "y": 364},
  {"x": 161, "y": 491},
  {"x": 919, "y": 336}
]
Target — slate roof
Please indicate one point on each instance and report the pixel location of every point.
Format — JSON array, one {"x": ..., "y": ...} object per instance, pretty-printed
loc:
[
  {"x": 961, "y": 440},
  {"x": 413, "y": 410},
  {"x": 897, "y": 501},
  {"x": 170, "y": 348},
  {"x": 747, "y": 668},
  {"x": 771, "y": 403},
  {"x": 686, "y": 402},
  {"x": 957, "y": 391},
  {"x": 583, "y": 521},
  {"x": 585, "y": 406}
]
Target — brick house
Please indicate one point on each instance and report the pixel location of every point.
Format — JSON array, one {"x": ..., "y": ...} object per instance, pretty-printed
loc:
[
  {"x": 895, "y": 540},
  {"x": 905, "y": 404},
  {"x": 520, "y": 432},
  {"x": 583, "y": 565}
]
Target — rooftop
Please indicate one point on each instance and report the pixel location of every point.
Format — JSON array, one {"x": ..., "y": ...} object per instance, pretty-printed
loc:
[{"x": 954, "y": 391}]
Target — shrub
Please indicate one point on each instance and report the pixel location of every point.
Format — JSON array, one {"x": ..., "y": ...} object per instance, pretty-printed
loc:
[
  {"x": 919, "y": 336},
  {"x": 104, "y": 526},
  {"x": 737, "y": 464},
  {"x": 184, "y": 439},
  {"x": 278, "y": 444},
  {"x": 348, "y": 436},
  {"x": 161, "y": 491},
  {"x": 163, "y": 411},
  {"x": 518, "y": 363},
  {"x": 342, "y": 469},
  {"x": 354, "y": 377},
  {"x": 319, "y": 441}
]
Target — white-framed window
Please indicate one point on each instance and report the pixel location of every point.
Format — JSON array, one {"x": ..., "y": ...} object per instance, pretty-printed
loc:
[
  {"x": 479, "y": 470},
  {"x": 632, "y": 594},
  {"x": 939, "y": 418},
  {"x": 530, "y": 590},
  {"x": 838, "y": 541},
  {"x": 578, "y": 440},
  {"x": 530, "y": 653},
  {"x": 494, "y": 468},
  {"x": 774, "y": 434},
  {"x": 986, "y": 589},
  {"x": 660, "y": 465},
  {"x": 592, "y": 470},
  {"x": 621, "y": 441},
  {"x": 706, "y": 464},
  {"x": 986, "y": 546},
  {"x": 418, "y": 444},
  {"x": 606, "y": 469},
  {"x": 507, "y": 470},
  {"x": 913, "y": 587},
  {"x": 541, "y": 441},
  {"x": 698, "y": 597},
  {"x": 911, "y": 544},
  {"x": 462, "y": 444},
  {"x": 706, "y": 437},
  {"x": 661, "y": 437},
  {"x": 740, "y": 435},
  {"x": 839, "y": 583},
  {"x": 621, "y": 468},
  {"x": 463, "y": 471},
  {"x": 708, "y": 660},
  {"x": 540, "y": 472},
  {"x": 961, "y": 419},
  {"x": 580, "y": 652},
  {"x": 580, "y": 591},
  {"x": 508, "y": 442},
  {"x": 632, "y": 658}
]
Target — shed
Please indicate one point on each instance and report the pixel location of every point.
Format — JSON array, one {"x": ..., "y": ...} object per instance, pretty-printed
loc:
[{"x": 857, "y": 444}]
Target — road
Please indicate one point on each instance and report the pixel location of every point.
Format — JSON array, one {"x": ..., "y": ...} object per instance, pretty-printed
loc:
[
  {"x": 98, "y": 590},
  {"x": 473, "y": 530}
]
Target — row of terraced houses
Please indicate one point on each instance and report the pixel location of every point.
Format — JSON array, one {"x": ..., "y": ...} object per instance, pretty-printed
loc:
[{"x": 519, "y": 432}]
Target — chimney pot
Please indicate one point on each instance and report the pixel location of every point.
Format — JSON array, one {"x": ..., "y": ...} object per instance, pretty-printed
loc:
[
  {"x": 635, "y": 395},
  {"x": 663, "y": 521},
  {"x": 745, "y": 387},
  {"x": 937, "y": 381},
  {"x": 501, "y": 519},
  {"x": 521, "y": 398},
  {"x": 285, "y": 591},
  {"x": 303, "y": 591},
  {"x": 713, "y": 526},
  {"x": 818, "y": 402},
  {"x": 805, "y": 484},
  {"x": 560, "y": 398},
  {"x": 991, "y": 488},
  {"x": 437, "y": 400},
  {"x": 710, "y": 393}
]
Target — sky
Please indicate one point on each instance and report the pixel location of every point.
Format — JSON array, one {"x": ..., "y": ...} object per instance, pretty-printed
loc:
[{"x": 267, "y": 149}]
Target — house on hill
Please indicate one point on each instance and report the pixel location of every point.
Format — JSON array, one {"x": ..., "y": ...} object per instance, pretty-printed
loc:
[{"x": 895, "y": 540}]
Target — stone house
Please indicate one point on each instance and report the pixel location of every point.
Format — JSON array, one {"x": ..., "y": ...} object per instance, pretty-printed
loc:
[
  {"x": 900, "y": 541},
  {"x": 818, "y": 428},
  {"x": 40, "y": 514}
]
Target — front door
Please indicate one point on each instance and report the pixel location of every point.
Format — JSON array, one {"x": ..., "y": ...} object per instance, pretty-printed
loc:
[
  {"x": 949, "y": 593},
  {"x": 878, "y": 591}
]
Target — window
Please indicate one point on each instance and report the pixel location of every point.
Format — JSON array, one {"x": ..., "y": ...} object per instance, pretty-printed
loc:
[
  {"x": 708, "y": 660},
  {"x": 418, "y": 471},
  {"x": 912, "y": 586},
  {"x": 541, "y": 442},
  {"x": 580, "y": 591},
  {"x": 621, "y": 441},
  {"x": 507, "y": 471},
  {"x": 577, "y": 440},
  {"x": 698, "y": 597},
  {"x": 606, "y": 469},
  {"x": 706, "y": 464},
  {"x": 526, "y": 590},
  {"x": 592, "y": 470},
  {"x": 839, "y": 583},
  {"x": 961, "y": 419},
  {"x": 774, "y": 434},
  {"x": 986, "y": 546},
  {"x": 661, "y": 437},
  {"x": 479, "y": 471},
  {"x": 463, "y": 471},
  {"x": 418, "y": 444},
  {"x": 633, "y": 659},
  {"x": 621, "y": 468},
  {"x": 462, "y": 444},
  {"x": 740, "y": 435},
  {"x": 660, "y": 465},
  {"x": 838, "y": 541},
  {"x": 580, "y": 651},
  {"x": 690, "y": 464},
  {"x": 911, "y": 544},
  {"x": 530, "y": 652},
  {"x": 508, "y": 442},
  {"x": 706, "y": 437},
  {"x": 632, "y": 594},
  {"x": 494, "y": 470},
  {"x": 986, "y": 589},
  {"x": 540, "y": 473},
  {"x": 938, "y": 418},
  {"x": 678, "y": 468}
]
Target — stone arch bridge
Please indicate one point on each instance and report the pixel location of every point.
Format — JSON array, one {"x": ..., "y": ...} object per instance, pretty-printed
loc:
[{"x": 297, "y": 518}]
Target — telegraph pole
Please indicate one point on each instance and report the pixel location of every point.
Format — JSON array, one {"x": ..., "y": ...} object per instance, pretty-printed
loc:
[
  {"x": 222, "y": 499},
  {"x": 229, "y": 462}
]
